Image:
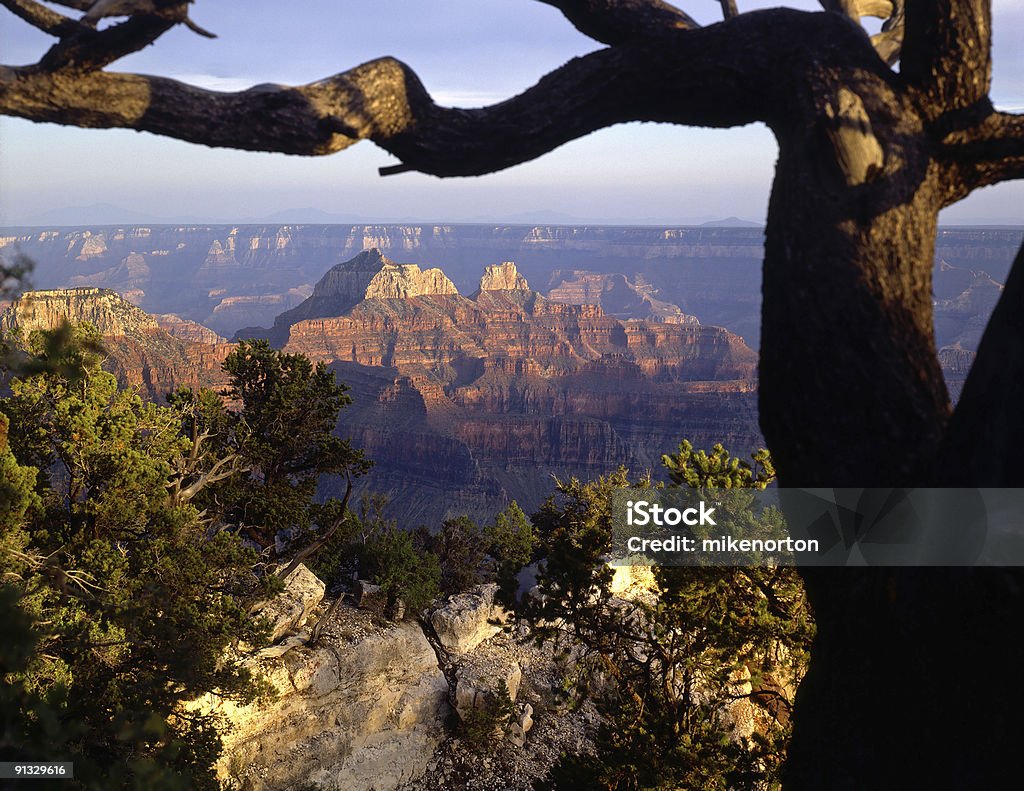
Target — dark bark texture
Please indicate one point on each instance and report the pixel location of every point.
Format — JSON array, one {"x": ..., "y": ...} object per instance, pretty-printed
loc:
[{"x": 912, "y": 678}]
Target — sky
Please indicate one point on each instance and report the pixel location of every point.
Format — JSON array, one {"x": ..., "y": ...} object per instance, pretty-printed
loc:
[{"x": 468, "y": 53}]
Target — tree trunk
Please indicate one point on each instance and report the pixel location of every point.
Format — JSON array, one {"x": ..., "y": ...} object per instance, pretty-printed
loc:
[{"x": 851, "y": 395}]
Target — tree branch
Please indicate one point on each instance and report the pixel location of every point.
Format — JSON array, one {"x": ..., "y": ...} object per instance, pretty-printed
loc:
[
  {"x": 947, "y": 53},
  {"x": 729, "y": 9},
  {"x": 981, "y": 154},
  {"x": 620, "y": 21},
  {"x": 38, "y": 15},
  {"x": 90, "y": 50},
  {"x": 80, "y": 5},
  {"x": 728, "y": 74}
]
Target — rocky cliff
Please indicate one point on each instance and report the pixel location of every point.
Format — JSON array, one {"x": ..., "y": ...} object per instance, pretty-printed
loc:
[
  {"x": 152, "y": 355},
  {"x": 503, "y": 277},
  {"x": 465, "y": 403},
  {"x": 228, "y": 277},
  {"x": 368, "y": 275},
  {"x": 618, "y": 295}
]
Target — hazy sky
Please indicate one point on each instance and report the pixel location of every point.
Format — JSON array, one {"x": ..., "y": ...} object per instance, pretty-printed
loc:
[{"x": 467, "y": 52}]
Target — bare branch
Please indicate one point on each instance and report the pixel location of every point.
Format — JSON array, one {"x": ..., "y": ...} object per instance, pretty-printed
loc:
[
  {"x": 978, "y": 154},
  {"x": 80, "y": 5},
  {"x": 38, "y": 15},
  {"x": 325, "y": 536},
  {"x": 947, "y": 53},
  {"x": 620, "y": 21},
  {"x": 727, "y": 74},
  {"x": 729, "y": 9}
]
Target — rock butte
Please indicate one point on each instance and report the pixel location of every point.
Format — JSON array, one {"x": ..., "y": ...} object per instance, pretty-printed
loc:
[
  {"x": 468, "y": 402},
  {"x": 152, "y": 354}
]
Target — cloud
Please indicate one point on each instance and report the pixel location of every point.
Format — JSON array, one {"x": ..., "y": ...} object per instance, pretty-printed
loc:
[{"x": 457, "y": 98}]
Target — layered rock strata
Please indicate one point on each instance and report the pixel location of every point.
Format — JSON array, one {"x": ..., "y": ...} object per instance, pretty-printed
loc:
[
  {"x": 466, "y": 403},
  {"x": 140, "y": 351}
]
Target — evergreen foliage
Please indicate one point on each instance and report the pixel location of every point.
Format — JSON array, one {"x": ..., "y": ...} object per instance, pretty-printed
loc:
[
  {"x": 665, "y": 667},
  {"x": 121, "y": 605},
  {"x": 279, "y": 429}
]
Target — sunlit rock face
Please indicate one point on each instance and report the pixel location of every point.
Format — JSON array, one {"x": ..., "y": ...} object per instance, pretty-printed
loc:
[
  {"x": 503, "y": 277},
  {"x": 465, "y": 403},
  {"x": 363, "y": 706},
  {"x": 367, "y": 276},
  {"x": 151, "y": 356}
]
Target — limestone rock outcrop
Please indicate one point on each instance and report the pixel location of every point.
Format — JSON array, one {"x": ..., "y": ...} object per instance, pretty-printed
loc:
[
  {"x": 302, "y": 592},
  {"x": 467, "y": 619},
  {"x": 349, "y": 714},
  {"x": 363, "y": 707}
]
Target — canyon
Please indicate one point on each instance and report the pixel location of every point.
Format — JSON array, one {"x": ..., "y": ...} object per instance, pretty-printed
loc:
[
  {"x": 464, "y": 403},
  {"x": 634, "y": 339},
  {"x": 229, "y": 277}
]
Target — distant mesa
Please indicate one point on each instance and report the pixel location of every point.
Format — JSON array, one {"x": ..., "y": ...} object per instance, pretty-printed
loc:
[{"x": 731, "y": 222}]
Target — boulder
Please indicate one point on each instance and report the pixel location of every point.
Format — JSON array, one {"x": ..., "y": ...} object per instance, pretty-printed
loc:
[
  {"x": 303, "y": 591},
  {"x": 479, "y": 683},
  {"x": 465, "y": 620},
  {"x": 518, "y": 729}
]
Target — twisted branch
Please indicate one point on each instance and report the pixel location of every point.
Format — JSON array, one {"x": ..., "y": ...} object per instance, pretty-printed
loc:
[
  {"x": 724, "y": 75},
  {"x": 39, "y": 16}
]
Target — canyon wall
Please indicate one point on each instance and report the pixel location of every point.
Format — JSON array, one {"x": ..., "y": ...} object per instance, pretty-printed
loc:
[
  {"x": 153, "y": 355},
  {"x": 467, "y": 403},
  {"x": 229, "y": 277}
]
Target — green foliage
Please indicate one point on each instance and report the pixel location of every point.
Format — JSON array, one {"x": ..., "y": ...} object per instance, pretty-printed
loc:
[
  {"x": 402, "y": 571},
  {"x": 511, "y": 537},
  {"x": 574, "y": 533},
  {"x": 484, "y": 726},
  {"x": 121, "y": 604},
  {"x": 511, "y": 544},
  {"x": 281, "y": 429},
  {"x": 460, "y": 546},
  {"x": 673, "y": 661},
  {"x": 718, "y": 470}
]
